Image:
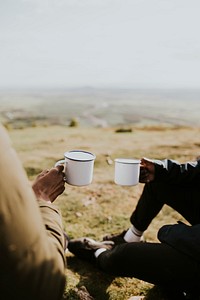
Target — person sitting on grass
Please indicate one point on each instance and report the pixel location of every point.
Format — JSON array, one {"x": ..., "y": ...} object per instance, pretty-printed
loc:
[
  {"x": 32, "y": 242},
  {"x": 173, "y": 263}
]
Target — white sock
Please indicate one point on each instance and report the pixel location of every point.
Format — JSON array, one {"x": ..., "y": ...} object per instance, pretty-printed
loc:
[
  {"x": 133, "y": 235},
  {"x": 99, "y": 251}
]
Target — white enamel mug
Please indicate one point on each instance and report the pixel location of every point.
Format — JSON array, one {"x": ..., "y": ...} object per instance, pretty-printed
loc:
[
  {"x": 78, "y": 167},
  {"x": 127, "y": 171}
]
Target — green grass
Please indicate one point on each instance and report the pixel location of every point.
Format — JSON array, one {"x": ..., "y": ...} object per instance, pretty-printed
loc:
[{"x": 103, "y": 207}]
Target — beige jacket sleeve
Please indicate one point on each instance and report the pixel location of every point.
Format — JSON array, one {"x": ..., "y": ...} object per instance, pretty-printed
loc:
[{"x": 32, "y": 260}]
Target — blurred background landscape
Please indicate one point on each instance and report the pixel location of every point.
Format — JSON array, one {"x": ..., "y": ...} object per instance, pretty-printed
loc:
[{"x": 101, "y": 107}]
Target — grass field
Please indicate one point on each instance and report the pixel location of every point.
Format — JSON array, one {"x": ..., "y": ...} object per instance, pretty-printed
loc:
[{"x": 103, "y": 207}]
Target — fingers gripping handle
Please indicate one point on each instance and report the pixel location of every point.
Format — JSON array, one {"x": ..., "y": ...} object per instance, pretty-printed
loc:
[{"x": 59, "y": 162}]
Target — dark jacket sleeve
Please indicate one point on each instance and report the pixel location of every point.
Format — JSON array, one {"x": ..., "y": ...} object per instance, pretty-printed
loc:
[
  {"x": 176, "y": 173},
  {"x": 182, "y": 237}
]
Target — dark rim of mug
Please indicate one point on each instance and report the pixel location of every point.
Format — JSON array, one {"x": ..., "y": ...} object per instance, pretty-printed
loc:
[{"x": 82, "y": 151}]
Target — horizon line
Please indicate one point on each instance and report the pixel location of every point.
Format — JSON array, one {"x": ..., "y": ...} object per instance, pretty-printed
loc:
[{"x": 90, "y": 88}]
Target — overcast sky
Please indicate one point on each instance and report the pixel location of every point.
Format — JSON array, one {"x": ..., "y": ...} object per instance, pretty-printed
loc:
[{"x": 99, "y": 43}]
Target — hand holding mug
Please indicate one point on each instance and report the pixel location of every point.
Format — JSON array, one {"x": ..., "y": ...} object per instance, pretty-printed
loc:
[
  {"x": 49, "y": 184},
  {"x": 147, "y": 171}
]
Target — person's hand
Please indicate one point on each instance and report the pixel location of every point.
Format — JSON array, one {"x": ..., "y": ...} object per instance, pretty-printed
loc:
[
  {"x": 147, "y": 171},
  {"x": 49, "y": 184}
]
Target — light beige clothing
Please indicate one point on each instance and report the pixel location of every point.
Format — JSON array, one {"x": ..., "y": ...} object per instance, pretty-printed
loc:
[{"x": 32, "y": 260}]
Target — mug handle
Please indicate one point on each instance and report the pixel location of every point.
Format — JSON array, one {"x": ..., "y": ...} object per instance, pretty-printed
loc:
[{"x": 59, "y": 162}]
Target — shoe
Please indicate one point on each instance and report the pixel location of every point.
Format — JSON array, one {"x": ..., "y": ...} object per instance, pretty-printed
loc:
[
  {"x": 84, "y": 247},
  {"x": 116, "y": 238}
]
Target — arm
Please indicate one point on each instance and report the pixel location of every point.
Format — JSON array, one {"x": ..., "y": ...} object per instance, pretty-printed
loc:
[
  {"x": 32, "y": 264},
  {"x": 175, "y": 172},
  {"x": 47, "y": 186},
  {"x": 168, "y": 170}
]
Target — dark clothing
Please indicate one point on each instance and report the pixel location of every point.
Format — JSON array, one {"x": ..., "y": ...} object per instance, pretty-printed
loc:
[
  {"x": 176, "y": 185},
  {"x": 172, "y": 172},
  {"x": 185, "y": 199},
  {"x": 175, "y": 262},
  {"x": 183, "y": 238},
  {"x": 156, "y": 263}
]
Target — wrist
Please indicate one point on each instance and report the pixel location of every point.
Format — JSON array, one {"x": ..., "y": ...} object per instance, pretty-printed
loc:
[{"x": 40, "y": 195}]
